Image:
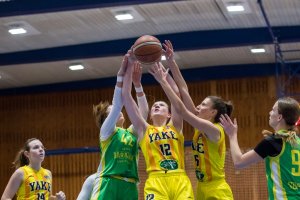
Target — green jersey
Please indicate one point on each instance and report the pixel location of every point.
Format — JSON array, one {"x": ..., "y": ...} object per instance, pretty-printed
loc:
[
  {"x": 119, "y": 155},
  {"x": 283, "y": 173}
]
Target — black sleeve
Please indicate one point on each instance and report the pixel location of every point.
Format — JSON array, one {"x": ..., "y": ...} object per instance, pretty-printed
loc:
[{"x": 269, "y": 146}]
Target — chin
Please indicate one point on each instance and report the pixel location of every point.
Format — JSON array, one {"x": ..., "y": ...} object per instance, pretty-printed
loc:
[{"x": 121, "y": 121}]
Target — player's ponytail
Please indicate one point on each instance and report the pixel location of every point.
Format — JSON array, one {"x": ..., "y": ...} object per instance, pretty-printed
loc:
[
  {"x": 221, "y": 106},
  {"x": 100, "y": 113},
  {"x": 21, "y": 159}
]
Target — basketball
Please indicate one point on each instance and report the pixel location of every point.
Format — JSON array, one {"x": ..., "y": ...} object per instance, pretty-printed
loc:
[{"x": 147, "y": 49}]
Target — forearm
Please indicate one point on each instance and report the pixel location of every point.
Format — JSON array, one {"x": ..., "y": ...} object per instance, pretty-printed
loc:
[
  {"x": 236, "y": 152},
  {"x": 143, "y": 104},
  {"x": 182, "y": 86},
  {"x": 109, "y": 123},
  {"x": 177, "y": 75},
  {"x": 173, "y": 84},
  {"x": 172, "y": 96}
]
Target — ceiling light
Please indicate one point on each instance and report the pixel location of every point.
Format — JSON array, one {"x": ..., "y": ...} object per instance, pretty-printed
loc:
[
  {"x": 125, "y": 16},
  {"x": 76, "y": 67},
  {"x": 235, "y": 8},
  {"x": 21, "y": 27},
  {"x": 258, "y": 50},
  {"x": 15, "y": 31}
]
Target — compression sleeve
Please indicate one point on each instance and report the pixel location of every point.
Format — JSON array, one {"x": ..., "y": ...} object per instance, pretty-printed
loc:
[{"x": 109, "y": 123}]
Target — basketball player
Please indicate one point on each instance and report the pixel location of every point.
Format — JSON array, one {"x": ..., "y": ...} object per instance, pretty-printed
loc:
[
  {"x": 117, "y": 174},
  {"x": 162, "y": 145},
  {"x": 280, "y": 151},
  {"x": 209, "y": 139},
  {"x": 31, "y": 180}
]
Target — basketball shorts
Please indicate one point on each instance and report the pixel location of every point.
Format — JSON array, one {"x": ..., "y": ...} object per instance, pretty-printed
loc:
[
  {"x": 168, "y": 186},
  {"x": 214, "y": 190},
  {"x": 114, "y": 189}
]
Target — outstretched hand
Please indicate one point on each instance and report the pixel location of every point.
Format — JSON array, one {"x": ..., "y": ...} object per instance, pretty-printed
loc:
[
  {"x": 128, "y": 60},
  {"x": 158, "y": 71},
  {"x": 168, "y": 50},
  {"x": 137, "y": 74},
  {"x": 230, "y": 127},
  {"x": 123, "y": 67}
]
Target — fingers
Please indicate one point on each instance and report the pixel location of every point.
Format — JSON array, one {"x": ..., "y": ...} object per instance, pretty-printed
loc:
[
  {"x": 123, "y": 66},
  {"x": 60, "y": 195},
  {"x": 169, "y": 44},
  {"x": 153, "y": 69},
  {"x": 137, "y": 68}
]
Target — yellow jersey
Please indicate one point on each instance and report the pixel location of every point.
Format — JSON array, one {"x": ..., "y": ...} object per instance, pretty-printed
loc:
[
  {"x": 36, "y": 185},
  {"x": 209, "y": 156},
  {"x": 163, "y": 149}
]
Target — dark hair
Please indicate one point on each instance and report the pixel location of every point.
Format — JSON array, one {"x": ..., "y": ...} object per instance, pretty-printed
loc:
[
  {"x": 100, "y": 113},
  {"x": 289, "y": 109},
  {"x": 221, "y": 106},
  {"x": 21, "y": 159}
]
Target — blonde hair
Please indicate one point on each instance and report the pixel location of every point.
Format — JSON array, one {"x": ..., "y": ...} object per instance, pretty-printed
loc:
[
  {"x": 100, "y": 112},
  {"x": 290, "y": 136}
]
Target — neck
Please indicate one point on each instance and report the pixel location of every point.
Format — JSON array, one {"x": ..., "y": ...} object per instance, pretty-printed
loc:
[
  {"x": 36, "y": 166},
  {"x": 280, "y": 126},
  {"x": 158, "y": 121},
  {"x": 119, "y": 125}
]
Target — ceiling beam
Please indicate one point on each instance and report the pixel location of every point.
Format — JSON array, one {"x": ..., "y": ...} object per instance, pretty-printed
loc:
[
  {"x": 27, "y": 7},
  {"x": 190, "y": 75},
  {"x": 182, "y": 42}
]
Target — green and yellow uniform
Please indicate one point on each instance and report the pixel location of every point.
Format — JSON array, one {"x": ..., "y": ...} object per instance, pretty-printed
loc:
[
  {"x": 117, "y": 174},
  {"x": 163, "y": 149},
  {"x": 209, "y": 164},
  {"x": 36, "y": 185},
  {"x": 283, "y": 173}
]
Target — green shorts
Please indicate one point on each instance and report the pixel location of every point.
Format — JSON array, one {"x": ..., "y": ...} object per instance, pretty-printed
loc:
[{"x": 114, "y": 189}]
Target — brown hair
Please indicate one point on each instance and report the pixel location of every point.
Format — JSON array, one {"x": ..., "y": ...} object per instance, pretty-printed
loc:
[
  {"x": 221, "y": 106},
  {"x": 21, "y": 159},
  {"x": 290, "y": 111},
  {"x": 100, "y": 112}
]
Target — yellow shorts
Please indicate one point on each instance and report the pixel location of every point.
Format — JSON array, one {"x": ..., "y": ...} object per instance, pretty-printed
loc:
[
  {"x": 214, "y": 190},
  {"x": 168, "y": 186}
]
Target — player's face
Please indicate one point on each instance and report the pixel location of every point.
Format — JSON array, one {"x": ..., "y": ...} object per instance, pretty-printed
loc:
[
  {"x": 205, "y": 109},
  {"x": 160, "y": 108},
  {"x": 274, "y": 116},
  {"x": 36, "y": 151}
]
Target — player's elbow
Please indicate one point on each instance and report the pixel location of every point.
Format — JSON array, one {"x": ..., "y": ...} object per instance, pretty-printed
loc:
[{"x": 239, "y": 165}]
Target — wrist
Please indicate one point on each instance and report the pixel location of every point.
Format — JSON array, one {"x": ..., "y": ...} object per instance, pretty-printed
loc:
[
  {"x": 119, "y": 78},
  {"x": 138, "y": 89}
]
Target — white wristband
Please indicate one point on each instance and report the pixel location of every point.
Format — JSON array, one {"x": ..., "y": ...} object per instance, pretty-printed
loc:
[
  {"x": 139, "y": 89},
  {"x": 119, "y": 78}
]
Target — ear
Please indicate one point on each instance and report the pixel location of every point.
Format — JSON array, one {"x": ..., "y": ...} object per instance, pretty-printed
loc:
[
  {"x": 214, "y": 112},
  {"x": 280, "y": 117},
  {"x": 26, "y": 153},
  {"x": 169, "y": 115}
]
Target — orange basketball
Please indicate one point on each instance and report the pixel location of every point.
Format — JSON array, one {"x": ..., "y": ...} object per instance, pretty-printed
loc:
[{"x": 147, "y": 49}]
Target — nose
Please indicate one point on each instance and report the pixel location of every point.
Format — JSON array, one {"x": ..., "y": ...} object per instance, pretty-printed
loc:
[{"x": 157, "y": 106}]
